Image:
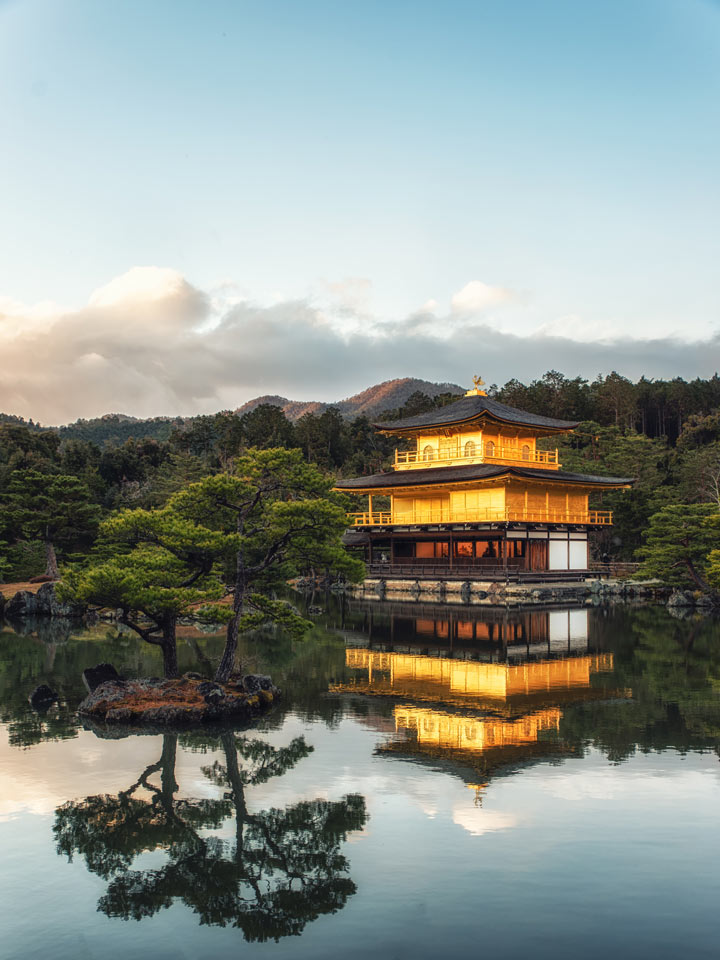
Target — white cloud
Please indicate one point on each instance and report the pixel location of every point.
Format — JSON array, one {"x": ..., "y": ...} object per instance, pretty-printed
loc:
[
  {"x": 476, "y": 297},
  {"x": 139, "y": 285},
  {"x": 149, "y": 343}
]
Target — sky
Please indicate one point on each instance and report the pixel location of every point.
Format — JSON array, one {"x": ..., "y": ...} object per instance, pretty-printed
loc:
[{"x": 203, "y": 202}]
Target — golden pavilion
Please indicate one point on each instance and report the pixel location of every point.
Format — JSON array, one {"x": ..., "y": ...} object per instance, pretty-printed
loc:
[{"x": 476, "y": 497}]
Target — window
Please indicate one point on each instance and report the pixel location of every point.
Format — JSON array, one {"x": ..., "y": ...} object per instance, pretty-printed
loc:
[
  {"x": 516, "y": 548},
  {"x": 431, "y": 549},
  {"x": 428, "y": 453},
  {"x": 489, "y": 449},
  {"x": 487, "y": 549},
  {"x": 403, "y": 549},
  {"x": 526, "y": 451},
  {"x": 463, "y": 548},
  {"x": 470, "y": 448}
]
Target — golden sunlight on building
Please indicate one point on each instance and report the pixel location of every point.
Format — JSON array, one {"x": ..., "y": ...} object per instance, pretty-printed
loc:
[{"x": 475, "y": 491}]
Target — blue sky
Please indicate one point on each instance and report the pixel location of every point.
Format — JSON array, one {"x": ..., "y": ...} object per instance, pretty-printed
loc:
[{"x": 369, "y": 161}]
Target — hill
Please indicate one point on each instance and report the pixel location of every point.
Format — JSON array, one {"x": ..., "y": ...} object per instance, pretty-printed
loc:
[
  {"x": 113, "y": 429},
  {"x": 388, "y": 395}
]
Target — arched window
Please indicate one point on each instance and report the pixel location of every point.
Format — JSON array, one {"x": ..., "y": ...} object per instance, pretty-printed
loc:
[
  {"x": 428, "y": 453},
  {"x": 470, "y": 448},
  {"x": 526, "y": 451},
  {"x": 489, "y": 449}
]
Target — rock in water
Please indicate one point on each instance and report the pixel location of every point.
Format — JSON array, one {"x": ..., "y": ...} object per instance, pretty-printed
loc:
[
  {"x": 180, "y": 701},
  {"x": 44, "y": 603},
  {"x": 255, "y": 682},
  {"x": 42, "y": 696},
  {"x": 681, "y": 598},
  {"x": 102, "y": 673}
]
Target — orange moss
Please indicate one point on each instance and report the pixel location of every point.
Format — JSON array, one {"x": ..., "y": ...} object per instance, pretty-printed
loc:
[{"x": 8, "y": 590}]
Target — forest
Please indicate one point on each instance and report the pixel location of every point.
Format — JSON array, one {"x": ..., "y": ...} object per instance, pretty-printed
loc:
[{"x": 664, "y": 433}]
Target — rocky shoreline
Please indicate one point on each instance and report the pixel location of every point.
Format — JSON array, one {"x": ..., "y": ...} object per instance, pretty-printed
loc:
[{"x": 497, "y": 593}]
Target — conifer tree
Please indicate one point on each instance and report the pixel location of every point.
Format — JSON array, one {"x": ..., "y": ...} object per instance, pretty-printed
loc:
[
  {"x": 677, "y": 544},
  {"x": 53, "y": 508}
]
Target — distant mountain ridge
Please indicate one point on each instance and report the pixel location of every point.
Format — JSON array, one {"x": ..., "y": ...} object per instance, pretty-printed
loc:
[
  {"x": 115, "y": 428},
  {"x": 371, "y": 402}
]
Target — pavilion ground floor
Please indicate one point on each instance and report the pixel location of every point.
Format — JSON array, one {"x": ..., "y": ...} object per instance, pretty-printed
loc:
[{"x": 475, "y": 552}]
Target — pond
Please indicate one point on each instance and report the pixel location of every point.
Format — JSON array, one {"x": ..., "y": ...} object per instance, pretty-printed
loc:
[{"x": 436, "y": 782}]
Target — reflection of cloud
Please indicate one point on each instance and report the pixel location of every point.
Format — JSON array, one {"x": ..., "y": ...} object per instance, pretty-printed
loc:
[
  {"x": 610, "y": 784},
  {"x": 149, "y": 343},
  {"x": 477, "y": 820},
  {"x": 39, "y": 779}
]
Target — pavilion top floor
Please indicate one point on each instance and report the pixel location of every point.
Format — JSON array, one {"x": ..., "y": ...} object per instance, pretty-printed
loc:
[{"x": 475, "y": 430}]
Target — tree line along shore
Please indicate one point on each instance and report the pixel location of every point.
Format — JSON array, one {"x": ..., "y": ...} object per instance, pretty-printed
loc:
[{"x": 232, "y": 505}]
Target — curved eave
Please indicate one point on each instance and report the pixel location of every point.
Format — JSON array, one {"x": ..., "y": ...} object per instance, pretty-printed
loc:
[
  {"x": 472, "y": 409},
  {"x": 461, "y": 476},
  {"x": 536, "y": 428}
]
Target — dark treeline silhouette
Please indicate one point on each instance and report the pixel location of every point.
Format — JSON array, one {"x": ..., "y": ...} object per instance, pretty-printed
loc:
[{"x": 664, "y": 433}]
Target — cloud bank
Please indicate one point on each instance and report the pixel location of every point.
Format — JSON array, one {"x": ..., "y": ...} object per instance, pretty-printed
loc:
[{"x": 150, "y": 343}]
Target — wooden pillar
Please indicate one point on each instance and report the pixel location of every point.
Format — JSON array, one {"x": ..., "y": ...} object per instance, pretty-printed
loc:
[{"x": 370, "y": 506}]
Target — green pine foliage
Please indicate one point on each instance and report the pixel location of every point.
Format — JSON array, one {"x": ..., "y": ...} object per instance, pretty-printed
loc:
[
  {"x": 666, "y": 434},
  {"x": 678, "y": 541}
]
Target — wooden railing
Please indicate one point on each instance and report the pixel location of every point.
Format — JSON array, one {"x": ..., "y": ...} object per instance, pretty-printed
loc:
[
  {"x": 385, "y": 518},
  {"x": 481, "y": 453}
]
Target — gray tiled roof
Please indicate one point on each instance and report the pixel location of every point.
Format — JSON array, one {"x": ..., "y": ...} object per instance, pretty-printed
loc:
[
  {"x": 481, "y": 471},
  {"x": 469, "y": 408}
]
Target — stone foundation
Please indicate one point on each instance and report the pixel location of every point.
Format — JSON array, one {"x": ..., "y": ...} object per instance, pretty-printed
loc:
[{"x": 493, "y": 593}]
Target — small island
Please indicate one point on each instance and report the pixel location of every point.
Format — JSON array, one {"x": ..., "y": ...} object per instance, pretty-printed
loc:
[{"x": 174, "y": 702}]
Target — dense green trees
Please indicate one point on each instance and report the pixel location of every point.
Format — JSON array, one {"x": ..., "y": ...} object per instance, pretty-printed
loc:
[
  {"x": 678, "y": 542},
  {"x": 156, "y": 568},
  {"x": 54, "y": 509},
  {"x": 665, "y": 433},
  {"x": 242, "y": 535},
  {"x": 280, "y": 516}
]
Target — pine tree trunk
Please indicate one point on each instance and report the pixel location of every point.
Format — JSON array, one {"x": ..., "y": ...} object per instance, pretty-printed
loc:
[
  {"x": 169, "y": 649},
  {"x": 51, "y": 566},
  {"x": 698, "y": 578},
  {"x": 231, "y": 638},
  {"x": 227, "y": 662}
]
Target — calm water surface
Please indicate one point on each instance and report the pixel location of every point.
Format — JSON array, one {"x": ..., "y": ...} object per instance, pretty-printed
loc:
[{"x": 436, "y": 782}]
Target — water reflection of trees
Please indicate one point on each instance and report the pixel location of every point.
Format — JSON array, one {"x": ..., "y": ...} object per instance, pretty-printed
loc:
[
  {"x": 281, "y": 869},
  {"x": 673, "y": 670},
  {"x": 33, "y": 652}
]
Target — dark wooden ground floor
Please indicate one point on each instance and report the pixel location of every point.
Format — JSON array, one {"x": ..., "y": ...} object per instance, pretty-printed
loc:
[{"x": 520, "y": 554}]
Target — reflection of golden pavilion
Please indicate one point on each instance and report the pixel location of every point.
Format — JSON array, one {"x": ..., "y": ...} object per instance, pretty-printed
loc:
[
  {"x": 468, "y": 708},
  {"x": 470, "y": 683},
  {"x": 451, "y": 731}
]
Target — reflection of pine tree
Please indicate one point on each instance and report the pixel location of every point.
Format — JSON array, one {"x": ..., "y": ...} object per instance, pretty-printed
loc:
[{"x": 282, "y": 869}]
